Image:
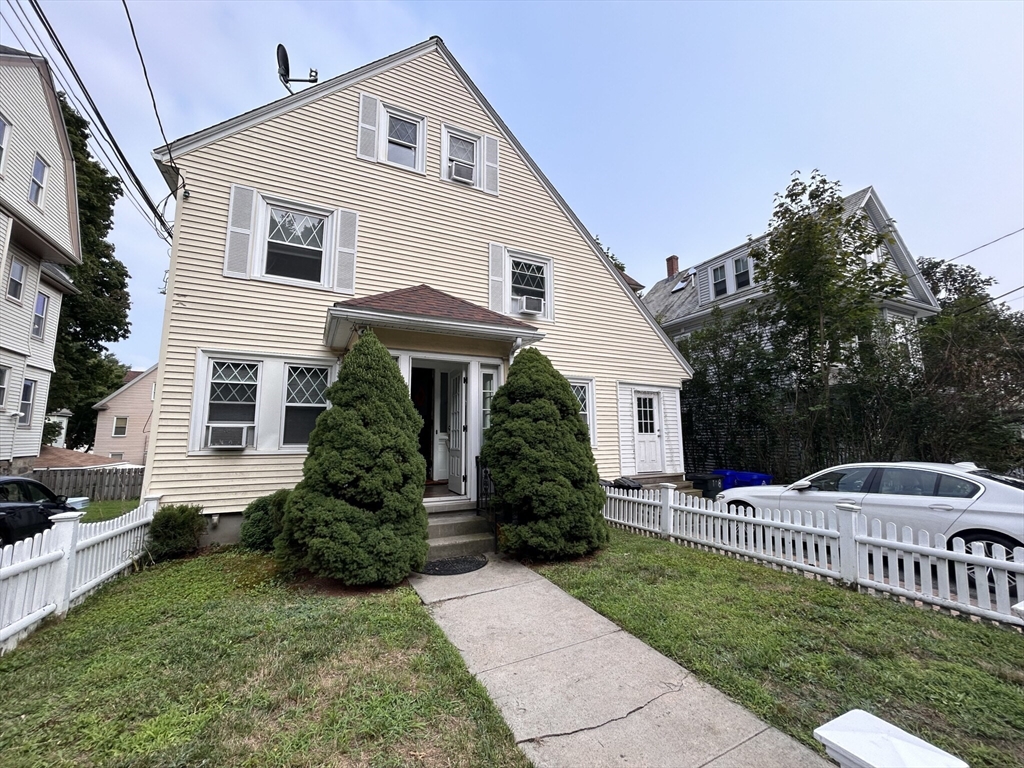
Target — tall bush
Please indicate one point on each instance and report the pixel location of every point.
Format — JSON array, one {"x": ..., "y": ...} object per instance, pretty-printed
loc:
[
  {"x": 175, "y": 531},
  {"x": 538, "y": 452},
  {"x": 261, "y": 521},
  {"x": 357, "y": 514}
]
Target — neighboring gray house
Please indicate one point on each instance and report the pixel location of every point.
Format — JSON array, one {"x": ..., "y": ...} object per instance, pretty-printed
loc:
[
  {"x": 38, "y": 235},
  {"x": 683, "y": 301}
]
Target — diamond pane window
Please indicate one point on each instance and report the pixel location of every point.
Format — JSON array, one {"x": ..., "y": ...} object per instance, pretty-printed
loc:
[
  {"x": 580, "y": 390},
  {"x": 233, "y": 393},
  {"x": 528, "y": 279},
  {"x": 295, "y": 245},
  {"x": 719, "y": 278},
  {"x": 402, "y": 141},
  {"x": 305, "y": 400},
  {"x": 462, "y": 150}
]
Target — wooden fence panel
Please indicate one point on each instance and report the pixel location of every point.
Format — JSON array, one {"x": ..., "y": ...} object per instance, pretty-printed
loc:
[{"x": 103, "y": 484}]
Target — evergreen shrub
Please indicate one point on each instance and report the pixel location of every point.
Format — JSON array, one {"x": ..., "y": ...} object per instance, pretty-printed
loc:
[
  {"x": 357, "y": 514},
  {"x": 261, "y": 521},
  {"x": 175, "y": 531},
  {"x": 538, "y": 452}
]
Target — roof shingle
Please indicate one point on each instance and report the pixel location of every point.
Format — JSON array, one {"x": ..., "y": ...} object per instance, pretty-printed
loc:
[{"x": 424, "y": 301}]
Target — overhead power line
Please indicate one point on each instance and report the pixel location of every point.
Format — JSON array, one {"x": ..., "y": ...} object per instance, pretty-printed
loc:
[
  {"x": 987, "y": 301},
  {"x": 99, "y": 116},
  {"x": 1008, "y": 234}
]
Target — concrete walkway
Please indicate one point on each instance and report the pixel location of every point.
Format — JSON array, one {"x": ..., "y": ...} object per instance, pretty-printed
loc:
[{"x": 578, "y": 691}]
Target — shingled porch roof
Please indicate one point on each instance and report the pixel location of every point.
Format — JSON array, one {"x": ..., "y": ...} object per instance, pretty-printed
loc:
[{"x": 426, "y": 310}]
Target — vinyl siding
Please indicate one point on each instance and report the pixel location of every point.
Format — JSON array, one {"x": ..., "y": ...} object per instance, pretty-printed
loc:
[
  {"x": 135, "y": 403},
  {"x": 413, "y": 228},
  {"x": 26, "y": 107}
]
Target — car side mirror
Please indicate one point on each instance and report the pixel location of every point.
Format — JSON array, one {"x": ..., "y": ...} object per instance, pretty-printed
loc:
[
  {"x": 62, "y": 499},
  {"x": 800, "y": 485}
]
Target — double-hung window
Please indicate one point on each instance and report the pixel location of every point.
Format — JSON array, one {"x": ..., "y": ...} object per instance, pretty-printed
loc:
[
  {"x": 39, "y": 317},
  {"x": 16, "y": 281},
  {"x": 120, "y": 426},
  {"x": 305, "y": 400},
  {"x": 404, "y": 135},
  {"x": 231, "y": 409},
  {"x": 529, "y": 285},
  {"x": 718, "y": 277},
  {"x": 741, "y": 271},
  {"x": 5, "y": 134},
  {"x": 391, "y": 135},
  {"x": 5, "y": 375},
  {"x": 583, "y": 389},
  {"x": 295, "y": 245},
  {"x": 37, "y": 186},
  {"x": 28, "y": 400}
]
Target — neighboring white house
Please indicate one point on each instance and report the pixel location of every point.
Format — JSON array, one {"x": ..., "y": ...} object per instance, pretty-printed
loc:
[
  {"x": 38, "y": 235},
  {"x": 125, "y": 417},
  {"x": 683, "y": 301},
  {"x": 393, "y": 198}
]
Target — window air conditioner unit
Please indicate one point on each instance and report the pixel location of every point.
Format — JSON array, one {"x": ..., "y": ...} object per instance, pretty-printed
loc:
[
  {"x": 228, "y": 438},
  {"x": 531, "y": 305},
  {"x": 461, "y": 172}
]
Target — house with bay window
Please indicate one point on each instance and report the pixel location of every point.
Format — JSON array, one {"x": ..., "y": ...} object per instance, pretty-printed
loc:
[
  {"x": 683, "y": 301},
  {"x": 38, "y": 237},
  {"x": 391, "y": 198}
]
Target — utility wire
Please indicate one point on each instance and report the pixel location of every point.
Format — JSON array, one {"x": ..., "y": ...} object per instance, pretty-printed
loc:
[
  {"x": 1008, "y": 234},
  {"x": 94, "y": 137},
  {"x": 152, "y": 97},
  {"x": 99, "y": 116},
  {"x": 987, "y": 301}
]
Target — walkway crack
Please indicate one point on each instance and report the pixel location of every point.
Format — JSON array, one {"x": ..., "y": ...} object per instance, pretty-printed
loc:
[
  {"x": 538, "y": 739},
  {"x": 545, "y": 653}
]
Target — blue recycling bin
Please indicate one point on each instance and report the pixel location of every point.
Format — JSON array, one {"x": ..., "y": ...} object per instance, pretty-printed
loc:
[{"x": 733, "y": 478}]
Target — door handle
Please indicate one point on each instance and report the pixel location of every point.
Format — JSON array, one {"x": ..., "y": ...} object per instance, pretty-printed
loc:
[
  {"x": 940, "y": 507},
  {"x": 847, "y": 506}
]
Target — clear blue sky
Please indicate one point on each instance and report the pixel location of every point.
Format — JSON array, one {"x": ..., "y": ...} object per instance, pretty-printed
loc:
[{"x": 667, "y": 127}]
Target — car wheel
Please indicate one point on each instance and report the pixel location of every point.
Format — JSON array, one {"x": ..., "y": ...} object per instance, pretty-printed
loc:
[{"x": 989, "y": 539}]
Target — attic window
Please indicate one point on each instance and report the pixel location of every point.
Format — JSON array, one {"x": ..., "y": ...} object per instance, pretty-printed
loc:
[
  {"x": 741, "y": 269},
  {"x": 718, "y": 276}
]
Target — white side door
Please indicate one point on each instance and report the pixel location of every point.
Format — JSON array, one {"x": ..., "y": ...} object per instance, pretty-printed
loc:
[
  {"x": 647, "y": 431},
  {"x": 441, "y": 381},
  {"x": 456, "y": 431}
]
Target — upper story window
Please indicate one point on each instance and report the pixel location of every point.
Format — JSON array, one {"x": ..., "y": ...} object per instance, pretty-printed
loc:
[
  {"x": 295, "y": 245},
  {"x": 389, "y": 134},
  {"x": 28, "y": 400},
  {"x": 741, "y": 271},
  {"x": 520, "y": 283},
  {"x": 4, "y": 376},
  {"x": 5, "y": 134},
  {"x": 16, "y": 281},
  {"x": 469, "y": 159},
  {"x": 529, "y": 286},
  {"x": 39, "y": 317},
  {"x": 305, "y": 400},
  {"x": 718, "y": 277},
  {"x": 120, "y": 426},
  {"x": 37, "y": 186},
  {"x": 403, "y": 140}
]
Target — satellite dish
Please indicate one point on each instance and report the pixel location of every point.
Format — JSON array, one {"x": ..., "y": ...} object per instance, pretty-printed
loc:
[{"x": 284, "y": 71}]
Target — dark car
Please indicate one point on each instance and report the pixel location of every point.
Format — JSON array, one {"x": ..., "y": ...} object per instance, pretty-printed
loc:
[{"x": 26, "y": 507}]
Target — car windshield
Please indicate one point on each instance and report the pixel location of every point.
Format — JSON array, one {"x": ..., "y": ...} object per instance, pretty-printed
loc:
[{"x": 1013, "y": 482}]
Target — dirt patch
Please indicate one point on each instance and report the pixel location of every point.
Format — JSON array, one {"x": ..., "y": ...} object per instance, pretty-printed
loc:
[{"x": 307, "y": 583}]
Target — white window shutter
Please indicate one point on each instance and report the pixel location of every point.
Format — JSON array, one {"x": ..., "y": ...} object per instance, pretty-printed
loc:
[
  {"x": 369, "y": 111},
  {"x": 237, "y": 253},
  {"x": 346, "y": 225},
  {"x": 491, "y": 165},
  {"x": 497, "y": 278}
]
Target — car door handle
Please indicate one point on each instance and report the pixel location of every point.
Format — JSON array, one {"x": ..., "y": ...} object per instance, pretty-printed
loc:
[
  {"x": 847, "y": 506},
  {"x": 940, "y": 507}
]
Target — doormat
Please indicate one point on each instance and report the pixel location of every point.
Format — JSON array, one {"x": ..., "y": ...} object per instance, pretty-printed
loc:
[{"x": 453, "y": 566}]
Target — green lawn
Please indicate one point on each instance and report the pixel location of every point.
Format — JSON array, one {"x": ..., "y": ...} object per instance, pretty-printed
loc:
[
  {"x": 105, "y": 510},
  {"x": 211, "y": 661},
  {"x": 799, "y": 652}
]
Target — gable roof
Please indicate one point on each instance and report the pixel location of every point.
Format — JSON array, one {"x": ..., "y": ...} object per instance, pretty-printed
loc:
[
  {"x": 671, "y": 305},
  {"x": 163, "y": 155},
  {"x": 129, "y": 382},
  {"x": 424, "y": 301},
  {"x": 16, "y": 57}
]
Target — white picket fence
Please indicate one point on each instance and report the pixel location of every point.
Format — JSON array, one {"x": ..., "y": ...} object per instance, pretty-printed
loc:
[
  {"x": 56, "y": 569},
  {"x": 846, "y": 546}
]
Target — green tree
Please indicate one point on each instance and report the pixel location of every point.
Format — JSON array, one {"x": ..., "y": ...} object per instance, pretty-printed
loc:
[
  {"x": 611, "y": 256},
  {"x": 357, "y": 514},
  {"x": 85, "y": 371},
  {"x": 538, "y": 452}
]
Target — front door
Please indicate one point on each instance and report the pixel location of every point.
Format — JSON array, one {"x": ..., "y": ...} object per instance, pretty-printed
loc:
[
  {"x": 647, "y": 432},
  {"x": 456, "y": 431}
]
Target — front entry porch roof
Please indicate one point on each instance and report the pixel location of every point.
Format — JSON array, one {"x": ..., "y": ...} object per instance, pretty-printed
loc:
[{"x": 426, "y": 310}]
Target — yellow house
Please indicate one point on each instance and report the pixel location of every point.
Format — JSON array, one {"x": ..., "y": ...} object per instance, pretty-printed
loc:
[{"x": 393, "y": 198}]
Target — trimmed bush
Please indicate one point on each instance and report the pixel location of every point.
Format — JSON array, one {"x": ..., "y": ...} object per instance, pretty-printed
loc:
[
  {"x": 357, "y": 514},
  {"x": 261, "y": 521},
  {"x": 175, "y": 531},
  {"x": 538, "y": 451}
]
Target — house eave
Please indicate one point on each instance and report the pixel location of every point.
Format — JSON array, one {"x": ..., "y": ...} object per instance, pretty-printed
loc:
[{"x": 342, "y": 321}]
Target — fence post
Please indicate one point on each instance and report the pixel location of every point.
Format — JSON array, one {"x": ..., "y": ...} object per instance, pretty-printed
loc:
[
  {"x": 847, "y": 546},
  {"x": 65, "y": 537},
  {"x": 151, "y": 504},
  {"x": 666, "y": 509}
]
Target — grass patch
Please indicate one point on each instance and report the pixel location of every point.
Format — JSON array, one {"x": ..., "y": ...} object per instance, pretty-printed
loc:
[
  {"x": 106, "y": 510},
  {"x": 800, "y": 652},
  {"x": 212, "y": 661}
]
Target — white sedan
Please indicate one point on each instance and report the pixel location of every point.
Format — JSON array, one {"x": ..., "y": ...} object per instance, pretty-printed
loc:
[{"x": 958, "y": 500}]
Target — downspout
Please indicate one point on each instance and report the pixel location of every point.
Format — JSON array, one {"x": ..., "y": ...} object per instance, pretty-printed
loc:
[{"x": 516, "y": 346}]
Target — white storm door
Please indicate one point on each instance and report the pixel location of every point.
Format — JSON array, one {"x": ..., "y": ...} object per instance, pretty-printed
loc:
[
  {"x": 456, "y": 431},
  {"x": 441, "y": 379},
  {"x": 647, "y": 431}
]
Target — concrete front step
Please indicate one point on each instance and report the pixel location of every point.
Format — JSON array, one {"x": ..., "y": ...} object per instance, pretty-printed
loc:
[
  {"x": 460, "y": 546},
  {"x": 456, "y": 524}
]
